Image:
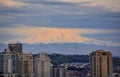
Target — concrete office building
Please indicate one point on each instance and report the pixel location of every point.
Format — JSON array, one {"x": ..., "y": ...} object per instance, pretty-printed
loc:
[
  {"x": 42, "y": 66},
  {"x": 15, "y": 48},
  {"x": 101, "y": 64}
]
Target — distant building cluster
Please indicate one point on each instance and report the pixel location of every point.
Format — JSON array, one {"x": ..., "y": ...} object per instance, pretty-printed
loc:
[
  {"x": 76, "y": 65},
  {"x": 15, "y": 63}
]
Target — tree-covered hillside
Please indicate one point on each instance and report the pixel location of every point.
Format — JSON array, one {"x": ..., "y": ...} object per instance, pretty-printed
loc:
[{"x": 57, "y": 59}]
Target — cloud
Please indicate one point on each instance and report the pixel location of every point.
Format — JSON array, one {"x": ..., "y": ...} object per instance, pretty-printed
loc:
[
  {"x": 51, "y": 13},
  {"x": 110, "y": 4},
  {"x": 55, "y": 35},
  {"x": 11, "y": 3},
  {"x": 90, "y": 4}
]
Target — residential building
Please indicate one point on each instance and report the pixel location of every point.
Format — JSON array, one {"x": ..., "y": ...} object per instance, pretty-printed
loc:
[
  {"x": 8, "y": 64},
  {"x": 101, "y": 64},
  {"x": 42, "y": 65},
  {"x": 25, "y": 65}
]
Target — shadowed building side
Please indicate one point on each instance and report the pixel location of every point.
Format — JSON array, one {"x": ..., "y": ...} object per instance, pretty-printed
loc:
[{"x": 15, "y": 48}]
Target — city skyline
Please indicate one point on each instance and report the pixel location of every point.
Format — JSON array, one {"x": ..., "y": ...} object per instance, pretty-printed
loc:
[
  {"x": 14, "y": 63},
  {"x": 81, "y": 26}
]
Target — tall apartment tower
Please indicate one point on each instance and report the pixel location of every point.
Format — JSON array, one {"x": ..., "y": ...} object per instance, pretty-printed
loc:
[
  {"x": 101, "y": 64},
  {"x": 15, "y": 48},
  {"x": 25, "y": 64},
  {"x": 42, "y": 66},
  {"x": 8, "y": 64}
]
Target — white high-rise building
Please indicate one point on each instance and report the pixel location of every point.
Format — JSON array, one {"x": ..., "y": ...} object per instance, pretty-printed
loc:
[{"x": 42, "y": 66}]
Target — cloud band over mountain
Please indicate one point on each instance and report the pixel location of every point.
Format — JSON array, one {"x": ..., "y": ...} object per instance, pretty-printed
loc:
[{"x": 32, "y": 35}]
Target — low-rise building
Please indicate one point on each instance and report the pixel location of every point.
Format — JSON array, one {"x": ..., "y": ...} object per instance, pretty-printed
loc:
[{"x": 58, "y": 71}]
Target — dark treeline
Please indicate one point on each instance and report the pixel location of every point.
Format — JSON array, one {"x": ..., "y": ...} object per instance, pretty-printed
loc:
[{"x": 57, "y": 59}]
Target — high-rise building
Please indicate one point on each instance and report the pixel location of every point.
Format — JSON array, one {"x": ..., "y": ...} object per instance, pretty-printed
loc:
[
  {"x": 14, "y": 63},
  {"x": 8, "y": 64},
  {"x": 101, "y": 64},
  {"x": 15, "y": 48},
  {"x": 42, "y": 65},
  {"x": 58, "y": 71},
  {"x": 25, "y": 63}
]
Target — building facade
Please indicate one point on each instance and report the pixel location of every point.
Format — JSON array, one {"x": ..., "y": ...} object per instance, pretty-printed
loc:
[
  {"x": 58, "y": 71},
  {"x": 8, "y": 64},
  {"x": 101, "y": 64},
  {"x": 42, "y": 66},
  {"x": 25, "y": 65}
]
